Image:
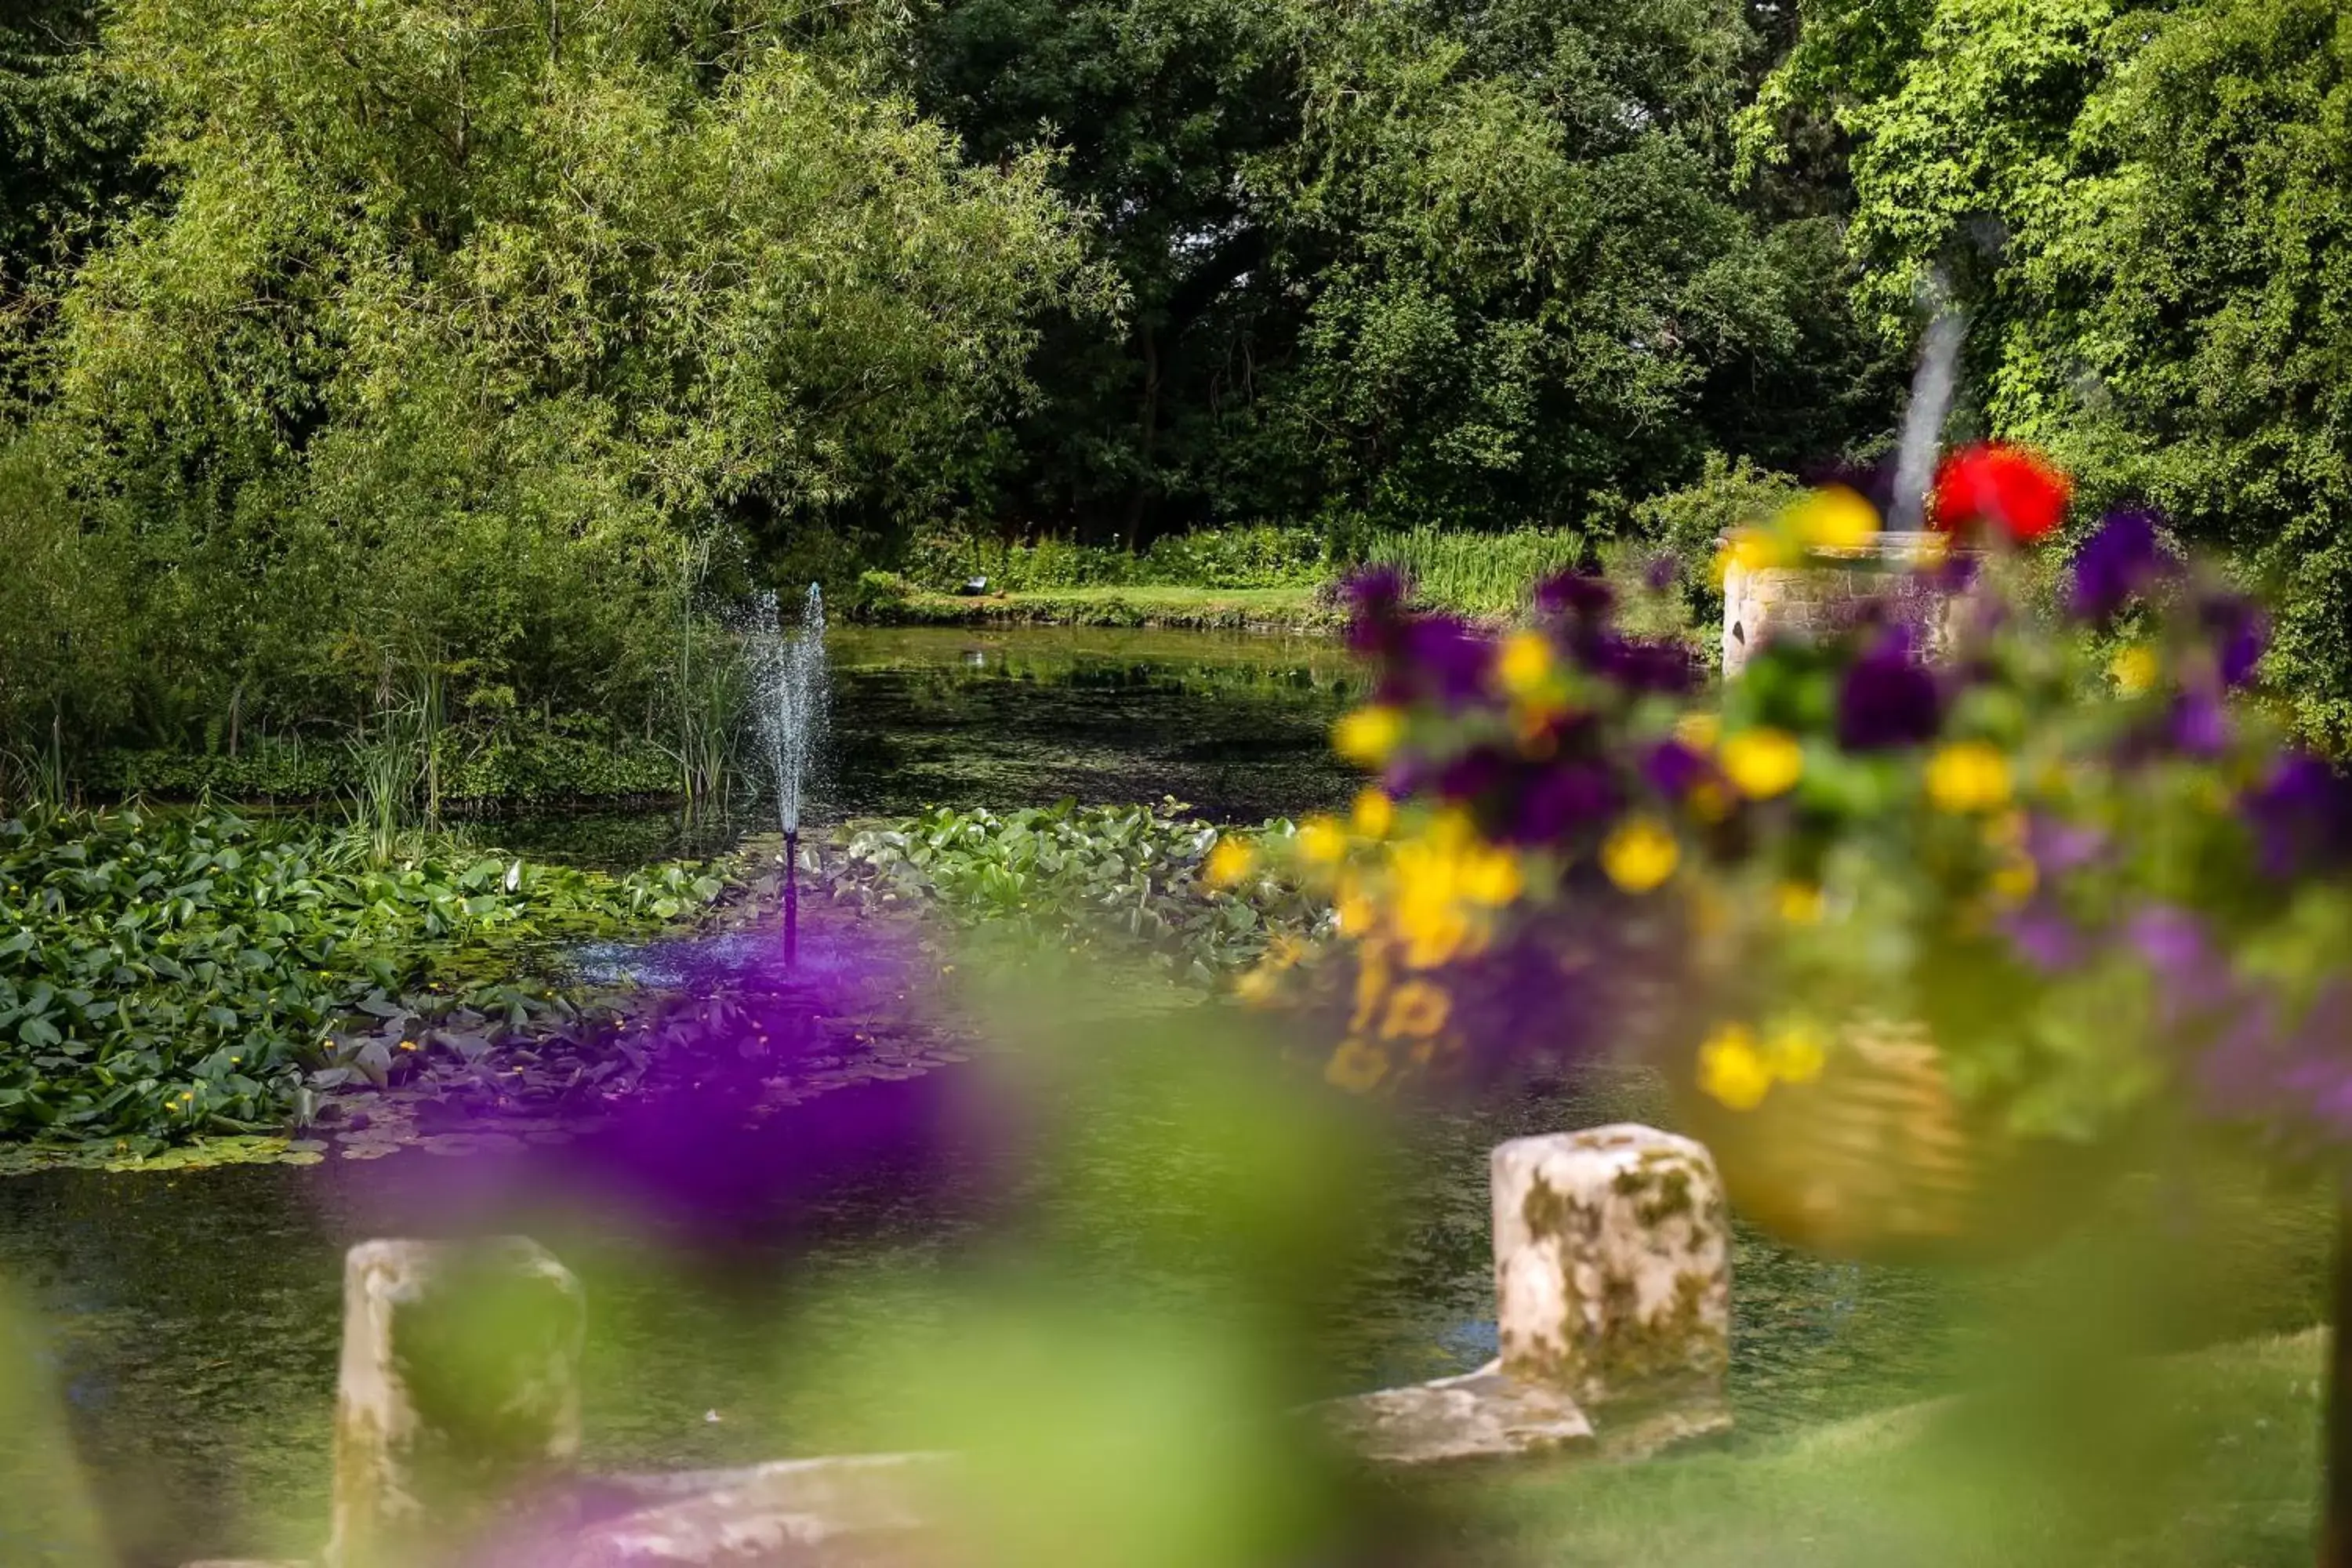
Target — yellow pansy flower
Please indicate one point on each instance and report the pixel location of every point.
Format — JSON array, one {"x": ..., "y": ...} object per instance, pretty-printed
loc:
[
  {"x": 1523, "y": 663},
  {"x": 1490, "y": 876},
  {"x": 1434, "y": 931},
  {"x": 1699, "y": 732},
  {"x": 1834, "y": 518},
  {"x": 1708, "y": 801},
  {"x": 1417, "y": 1010},
  {"x": 1357, "y": 1066},
  {"x": 1749, "y": 549},
  {"x": 1763, "y": 761},
  {"x": 1260, "y": 985},
  {"x": 2134, "y": 669},
  {"x": 1368, "y": 736},
  {"x": 1639, "y": 854},
  {"x": 1321, "y": 841},
  {"x": 1797, "y": 1052},
  {"x": 1374, "y": 813},
  {"x": 1967, "y": 776},
  {"x": 1731, "y": 1069},
  {"x": 2015, "y": 879},
  {"x": 1799, "y": 903},
  {"x": 1229, "y": 862}
]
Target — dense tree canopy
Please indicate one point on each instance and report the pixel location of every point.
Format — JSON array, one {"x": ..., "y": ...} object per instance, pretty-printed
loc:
[
  {"x": 453, "y": 317},
  {"x": 1472, "y": 264},
  {"x": 345, "y": 346},
  {"x": 1531, "y": 293},
  {"x": 2149, "y": 211}
]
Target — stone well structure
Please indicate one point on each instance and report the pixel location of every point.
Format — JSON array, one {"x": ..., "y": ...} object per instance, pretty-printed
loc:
[{"x": 1830, "y": 590}]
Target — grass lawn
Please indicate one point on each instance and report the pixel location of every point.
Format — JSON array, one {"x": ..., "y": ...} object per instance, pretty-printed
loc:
[
  {"x": 2209, "y": 1459},
  {"x": 1212, "y": 609}
]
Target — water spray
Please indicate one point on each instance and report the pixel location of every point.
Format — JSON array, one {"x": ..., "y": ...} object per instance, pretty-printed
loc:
[
  {"x": 1931, "y": 400},
  {"x": 791, "y": 701}
]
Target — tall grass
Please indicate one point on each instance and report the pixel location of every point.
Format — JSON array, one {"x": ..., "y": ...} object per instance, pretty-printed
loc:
[
  {"x": 35, "y": 775},
  {"x": 708, "y": 700},
  {"x": 1479, "y": 573},
  {"x": 1239, "y": 557},
  {"x": 395, "y": 758},
  {"x": 709, "y": 690}
]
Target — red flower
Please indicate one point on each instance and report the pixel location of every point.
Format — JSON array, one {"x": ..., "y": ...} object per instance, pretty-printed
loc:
[{"x": 2017, "y": 488}]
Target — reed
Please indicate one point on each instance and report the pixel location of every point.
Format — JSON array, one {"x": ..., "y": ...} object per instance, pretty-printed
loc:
[{"x": 1478, "y": 573}]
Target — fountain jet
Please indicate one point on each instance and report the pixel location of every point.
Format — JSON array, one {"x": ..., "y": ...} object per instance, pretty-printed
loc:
[{"x": 793, "y": 704}]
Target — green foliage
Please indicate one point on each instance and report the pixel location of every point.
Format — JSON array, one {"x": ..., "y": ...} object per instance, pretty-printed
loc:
[
  {"x": 1301, "y": 610},
  {"x": 1433, "y": 265},
  {"x": 2146, "y": 210},
  {"x": 450, "y": 320},
  {"x": 167, "y": 973},
  {"x": 1530, "y": 291},
  {"x": 1484, "y": 573},
  {"x": 68, "y": 130},
  {"x": 1256, "y": 557},
  {"x": 1070, "y": 879},
  {"x": 570, "y": 760}
]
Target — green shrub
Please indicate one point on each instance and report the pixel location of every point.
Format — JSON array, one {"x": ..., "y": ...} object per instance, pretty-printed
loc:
[
  {"x": 879, "y": 590},
  {"x": 1257, "y": 557}
]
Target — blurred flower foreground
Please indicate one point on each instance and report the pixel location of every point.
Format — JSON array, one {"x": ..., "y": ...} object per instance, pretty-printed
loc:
[
  {"x": 1928, "y": 921},
  {"x": 1925, "y": 915}
]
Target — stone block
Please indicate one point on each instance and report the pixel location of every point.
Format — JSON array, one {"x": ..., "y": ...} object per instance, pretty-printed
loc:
[
  {"x": 1483, "y": 1415},
  {"x": 842, "y": 1511},
  {"x": 458, "y": 1396},
  {"x": 1612, "y": 1266}
]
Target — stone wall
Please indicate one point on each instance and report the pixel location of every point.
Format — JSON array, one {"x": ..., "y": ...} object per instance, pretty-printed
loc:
[{"x": 1830, "y": 592}]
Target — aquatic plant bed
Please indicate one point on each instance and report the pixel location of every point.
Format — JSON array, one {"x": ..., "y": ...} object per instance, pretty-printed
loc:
[
  {"x": 1066, "y": 883},
  {"x": 168, "y": 974}
]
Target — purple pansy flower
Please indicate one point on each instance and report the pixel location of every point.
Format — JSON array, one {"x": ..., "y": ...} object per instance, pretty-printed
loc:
[
  {"x": 2045, "y": 937},
  {"x": 2302, "y": 815},
  {"x": 2241, "y": 633},
  {"x": 2200, "y": 724},
  {"x": 1574, "y": 592},
  {"x": 1674, "y": 768},
  {"x": 2116, "y": 563},
  {"x": 1567, "y": 797},
  {"x": 1888, "y": 698}
]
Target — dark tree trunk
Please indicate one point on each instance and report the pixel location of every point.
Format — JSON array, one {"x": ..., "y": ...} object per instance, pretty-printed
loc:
[{"x": 1149, "y": 424}]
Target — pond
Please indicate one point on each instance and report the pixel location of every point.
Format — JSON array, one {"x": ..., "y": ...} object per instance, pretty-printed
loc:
[
  {"x": 1236, "y": 725},
  {"x": 194, "y": 1315}
]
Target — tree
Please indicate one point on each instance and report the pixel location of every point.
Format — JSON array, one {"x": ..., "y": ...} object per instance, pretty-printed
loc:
[
  {"x": 1159, "y": 106},
  {"x": 2148, "y": 209},
  {"x": 449, "y": 315},
  {"x": 1532, "y": 294}
]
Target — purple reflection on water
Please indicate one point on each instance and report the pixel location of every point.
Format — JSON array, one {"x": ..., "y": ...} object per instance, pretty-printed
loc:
[{"x": 753, "y": 1095}]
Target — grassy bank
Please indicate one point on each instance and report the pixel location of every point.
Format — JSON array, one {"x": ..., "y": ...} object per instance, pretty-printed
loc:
[
  {"x": 2202, "y": 1459},
  {"x": 1298, "y": 609}
]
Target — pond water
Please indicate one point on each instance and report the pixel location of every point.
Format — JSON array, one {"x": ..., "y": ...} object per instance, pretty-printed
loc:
[
  {"x": 1236, "y": 725},
  {"x": 194, "y": 1317}
]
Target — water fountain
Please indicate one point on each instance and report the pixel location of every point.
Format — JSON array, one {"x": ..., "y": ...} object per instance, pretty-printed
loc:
[{"x": 791, "y": 701}]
